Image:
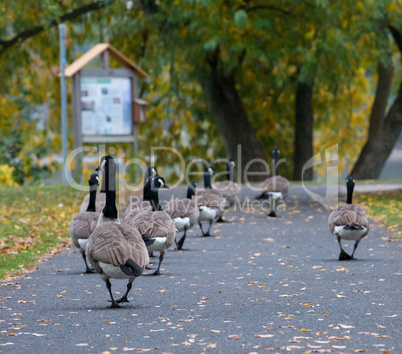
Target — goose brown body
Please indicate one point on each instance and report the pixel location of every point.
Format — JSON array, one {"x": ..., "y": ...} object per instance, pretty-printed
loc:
[
  {"x": 182, "y": 208},
  {"x": 348, "y": 215},
  {"x": 211, "y": 199},
  {"x": 115, "y": 244},
  {"x": 227, "y": 189},
  {"x": 82, "y": 225},
  {"x": 276, "y": 184},
  {"x": 134, "y": 209},
  {"x": 156, "y": 224}
]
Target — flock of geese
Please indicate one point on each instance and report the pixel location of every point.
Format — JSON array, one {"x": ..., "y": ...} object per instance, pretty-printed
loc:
[{"x": 121, "y": 249}]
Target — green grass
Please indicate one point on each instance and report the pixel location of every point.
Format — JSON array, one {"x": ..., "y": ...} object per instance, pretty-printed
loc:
[
  {"x": 384, "y": 208},
  {"x": 33, "y": 220}
]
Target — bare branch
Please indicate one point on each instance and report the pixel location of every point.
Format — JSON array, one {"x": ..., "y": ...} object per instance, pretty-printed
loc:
[
  {"x": 268, "y": 7},
  {"x": 397, "y": 36},
  {"x": 24, "y": 35}
]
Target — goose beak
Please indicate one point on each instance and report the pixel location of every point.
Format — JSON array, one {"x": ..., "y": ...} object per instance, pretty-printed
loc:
[
  {"x": 166, "y": 186},
  {"x": 97, "y": 169}
]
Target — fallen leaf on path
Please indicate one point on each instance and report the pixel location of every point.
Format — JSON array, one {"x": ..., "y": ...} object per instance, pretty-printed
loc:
[
  {"x": 264, "y": 335},
  {"x": 314, "y": 346},
  {"x": 234, "y": 336},
  {"x": 146, "y": 350},
  {"x": 344, "y": 326}
]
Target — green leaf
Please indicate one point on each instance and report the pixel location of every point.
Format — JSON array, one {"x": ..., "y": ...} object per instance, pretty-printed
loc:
[{"x": 241, "y": 19}]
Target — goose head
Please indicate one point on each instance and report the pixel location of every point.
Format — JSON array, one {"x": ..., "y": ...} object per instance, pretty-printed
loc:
[
  {"x": 159, "y": 182},
  {"x": 151, "y": 171},
  {"x": 93, "y": 181},
  {"x": 104, "y": 160}
]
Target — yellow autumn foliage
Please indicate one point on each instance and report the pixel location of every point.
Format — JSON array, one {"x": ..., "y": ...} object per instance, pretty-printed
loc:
[{"x": 6, "y": 176}]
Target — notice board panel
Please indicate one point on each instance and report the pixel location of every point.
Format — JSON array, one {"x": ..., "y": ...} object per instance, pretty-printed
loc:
[{"x": 106, "y": 106}]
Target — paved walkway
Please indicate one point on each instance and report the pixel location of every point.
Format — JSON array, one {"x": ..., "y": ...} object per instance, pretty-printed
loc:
[{"x": 260, "y": 284}]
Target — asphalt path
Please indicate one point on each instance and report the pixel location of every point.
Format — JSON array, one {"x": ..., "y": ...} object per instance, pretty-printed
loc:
[{"x": 259, "y": 284}]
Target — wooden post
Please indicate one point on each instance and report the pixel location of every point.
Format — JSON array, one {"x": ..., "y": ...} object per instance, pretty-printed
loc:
[
  {"x": 104, "y": 59},
  {"x": 77, "y": 130}
]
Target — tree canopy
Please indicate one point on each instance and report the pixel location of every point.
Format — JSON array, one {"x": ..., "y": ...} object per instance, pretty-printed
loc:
[{"x": 223, "y": 73}]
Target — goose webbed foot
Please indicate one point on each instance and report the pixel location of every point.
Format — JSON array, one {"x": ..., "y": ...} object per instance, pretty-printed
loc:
[
  {"x": 149, "y": 268},
  {"x": 157, "y": 271},
  {"x": 204, "y": 234},
  {"x": 343, "y": 256},
  {"x": 124, "y": 297},
  {"x": 89, "y": 270},
  {"x": 272, "y": 214}
]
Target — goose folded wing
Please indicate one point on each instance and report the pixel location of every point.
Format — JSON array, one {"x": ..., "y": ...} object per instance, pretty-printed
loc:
[{"x": 346, "y": 214}]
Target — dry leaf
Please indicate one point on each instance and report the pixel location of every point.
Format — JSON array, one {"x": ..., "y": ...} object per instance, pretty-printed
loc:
[
  {"x": 314, "y": 346},
  {"x": 264, "y": 335},
  {"x": 268, "y": 239},
  {"x": 234, "y": 336},
  {"x": 344, "y": 326}
]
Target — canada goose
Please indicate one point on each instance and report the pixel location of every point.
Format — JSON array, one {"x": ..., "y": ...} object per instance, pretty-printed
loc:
[
  {"x": 184, "y": 212},
  {"x": 348, "y": 221},
  {"x": 83, "y": 224},
  {"x": 115, "y": 250},
  {"x": 135, "y": 204},
  {"x": 211, "y": 203},
  {"x": 228, "y": 189},
  {"x": 274, "y": 188},
  {"x": 156, "y": 227}
]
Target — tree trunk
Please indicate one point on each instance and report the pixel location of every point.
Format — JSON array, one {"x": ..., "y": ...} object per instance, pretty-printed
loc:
[
  {"x": 303, "y": 144},
  {"x": 232, "y": 121},
  {"x": 383, "y": 132}
]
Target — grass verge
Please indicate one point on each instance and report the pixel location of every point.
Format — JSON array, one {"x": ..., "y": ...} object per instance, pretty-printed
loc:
[
  {"x": 33, "y": 220},
  {"x": 384, "y": 208}
]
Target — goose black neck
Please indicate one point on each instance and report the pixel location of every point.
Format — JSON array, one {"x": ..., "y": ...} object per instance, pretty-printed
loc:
[
  {"x": 151, "y": 194},
  {"x": 110, "y": 210},
  {"x": 190, "y": 192},
  {"x": 155, "y": 200},
  {"x": 229, "y": 173},
  {"x": 275, "y": 161},
  {"x": 147, "y": 189},
  {"x": 92, "y": 200},
  {"x": 207, "y": 180},
  {"x": 349, "y": 195}
]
